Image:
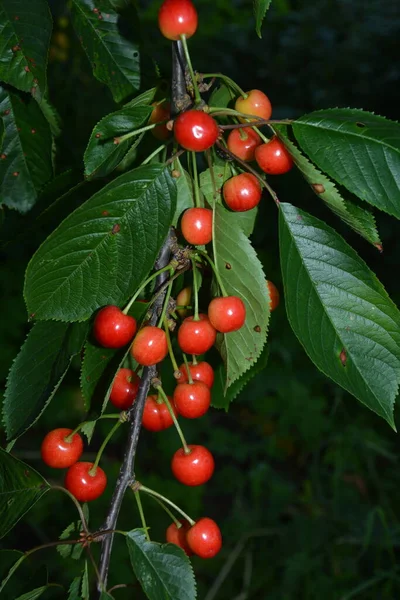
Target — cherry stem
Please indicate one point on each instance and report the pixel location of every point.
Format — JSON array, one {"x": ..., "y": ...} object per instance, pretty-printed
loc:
[
  {"x": 141, "y": 513},
  {"x": 194, "y": 359},
  {"x": 229, "y": 82},
  {"x": 195, "y": 292},
  {"x": 214, "y": 197},
  {"x": 70, "y": 436},
  {"x": 175, "y": 156},
  {"x": 165, "y": 305},
  {"x": 153, "y": 154},
  {"x": 197, "y": 97},
  {"x": 195, "y": 181},
  {"x": 173, "y": 417},
  {"x": 151, "y": 492},
  {"x": 75, "y": 501},
  {"x": 215, "y": 271},
  {"x": 104, "y": 444},
  {"x": 169, "y": 267},
  {"x": 262, "y": 136},
  {"x": 169, "y": 513},
  {"x": 169, "y": 344},
  {"x": 185, "y": 360},
  {"x": 127, "y": 136},
  {"x": 257, "y": 122}
]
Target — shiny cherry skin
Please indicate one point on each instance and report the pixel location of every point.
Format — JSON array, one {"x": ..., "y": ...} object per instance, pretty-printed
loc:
[
  {"x": 124, "y": 389},
  {"x": 196, "y": 337},
  {"x": 227, "y": 313},
  {"x": 177, "y": 535},
  {"x": 84, "y": 485},
  {"x": 58, "y": 452},
  {"x": 204, "y": 538},
  {"x": 273, "y": 295},
  {"x": 176, "y": 18},
  {"x": 194, "y": 468},
  {"x": 183, "y": 299},
  {"x": 256, "y": 103},
  {"x": 149, "y": 346},
  {"x": 273, "y": 158},
  {"x": 113, "y": 329},
  {"x": 156, "y": 415},
  {"x": 242, "y": 192},
  {"x": 196, "y": 226},
  {"x": 202, "y": 371},
  {"x": 243, "y": 143},
  {"x": 161, "y": 112},
  {"x": 192, "y": 400},
  {"x": 195, "y": 130}
]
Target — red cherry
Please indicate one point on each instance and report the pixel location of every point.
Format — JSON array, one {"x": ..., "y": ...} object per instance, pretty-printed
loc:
[
  {"x": 242, "y": 192},
  {"x": 196, "y": 337},
  {"x": 150, "y": 346},
  {"x": 176, "y": 18},
  {"x": 273, "y": 295},
  {"x": 84, "y": 485},
  {"x": 196, "y": 226},
  {"x": 113, "y": 329},
  {"x": 194, "y": 468},
  {"x": 204, "y": 538},
  {"x": 201, "y": 371},
  {"x": 124, "y": 389},
  {"x": 156, "y": 415},
  {"x": 161, "y": 112},
  {"x": 177, "y": 535},
  {"x": 59, "y": 453},
  {"x": 192, "y": 400},
  {"x": 256, "y": 103},
  {"x": 195, "y": 130},
  {"x": 243, "y": 142},
  {"x": 273, "y": 158},
  {"x": 227, "y": 313}
]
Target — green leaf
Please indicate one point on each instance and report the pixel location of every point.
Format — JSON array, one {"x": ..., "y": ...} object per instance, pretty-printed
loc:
[
  {"x": 143, "y": 99},
  {"x": 26, "y": 160},
  {"x": 163, "y": 570},
  {"x": 88, "y": 429},
  {"x": 208, "y": 182},
  {"x": 185, "y": 198},
  {"x": 20, "y": 488},
  {"x": 38, "y": 371},
  {"x": 102, "y": 154},
  {"x": 242, "y": 275},
  {"x": 10, "y": 560},
  {"x": 73, "y": 550},
  {"x": 359, "y": 219},
  {"x": 260, "y": 10},
  {"x": 114, "y": 57},
  {"x": 75, "y": 588},
  {"x": 358, "y": 149},
  {"x": 102, "y": 252},
  {"x": 221, "y": 96},
  {"x": 25, "y": 30},
  {"x": 340, "y": 312},
  {"x": 2, "y": 130},
  {"x": 33, "y": 594},
  {"x": 85, "y": 583}
]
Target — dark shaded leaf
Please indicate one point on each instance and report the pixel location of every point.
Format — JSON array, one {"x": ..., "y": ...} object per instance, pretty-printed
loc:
[{"x": 260, "y": 10}]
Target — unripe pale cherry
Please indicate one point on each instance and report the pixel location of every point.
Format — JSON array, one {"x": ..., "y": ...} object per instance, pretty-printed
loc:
[
  {"x": 196, "y": 226},
  {"x": 256, "y": 103},
  {"x": 227, "y": 313},
  {"x": 176, "y": 18},
  {"x": 195, "y": 130},
  {"x": 273, "y": 158},
  {"x": 242, "y": 192},
  {"x": 183, "y": 299},
  {"x": 243, "y": 143}
]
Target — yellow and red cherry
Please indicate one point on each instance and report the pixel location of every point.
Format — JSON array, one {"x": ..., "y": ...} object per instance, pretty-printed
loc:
[
  {"x": 273, "y": 295},
  {"x": 242, "y": 192},
  {"x": 60, "y": 452},
  {"x": 256, "y": 104},
  {"x": 194, "y": 468},
  {"x": 184, "y": 298},
  {"x": 161, "y": 112},
  {"x": 192, "y": 400},
  {"x": 196, "y": 336},
  {"x": 201, "y": 371},
  {"x": 273, "y": 158},
  {"x": 84, "y": 483},
  {"x": 124, "y": 389},
  {"x": 195, "y": 130},
  {"x": 204, "y": 538},
  {"x": 149, "y": 346},
  {"x": 113, "y": 329},
  {"x": 177, "y": 535},
  {"x": 227, "y": 313},
  {"x": 196, "y": 226},
  {"x": 176, "y": 18},
  {"x": 243, "y": 143},
  {"x": 156, "y": 415}
]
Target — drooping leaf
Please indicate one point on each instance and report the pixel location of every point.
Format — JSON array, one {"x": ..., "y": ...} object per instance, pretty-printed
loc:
[
  {"x": 26, "y": 159},
  {"x": 260, "y": 10},
  {"x": 358, "y": 149},
  {"x": 25, "y": 30},
  {"x": 340, "y": 312},
  {"x": 74, "y": 589},
  {"x": 143, "y": 99},
  {"x": 185, "y": 198},
  {"x": 114, "y": 57},
  {"x": 104, "y": 249},
  {"x": 242, "y": 275},
  {"x": 102, "y": 154},
  {"x": 10, "y": 560},
  {"x": 52, "y": 116},
  {"x": 33, "y": 594},
  {"x": 163, "y": 570},
  {"x": 38, "y": 371},
  {"x": 73, "y": 530},
  {"x": 85, "y": 583},
  {"x": 20, "y": 488}
]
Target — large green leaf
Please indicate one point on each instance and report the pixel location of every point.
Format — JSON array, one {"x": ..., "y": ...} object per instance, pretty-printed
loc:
[
  {"x": 340, "y": 312},
  {"x": 20, "y": 488},
  {"x": 114, "y": 57},
  {"x": 34, "y": 594},
  {"x": 359, "y": 219},
  {"x": 102, "y": 154},
  {"x": 358, "y": 149},
  {"x": 25, "y": 30},
  {"x": 163, "y": 570},
  {"x": 185, "y": 197},
  {"x": 104, "y": 249},
  {"x": 26, "y": 159},
  {"x": 260, "y": 10},
  {"x": 38, "y": 371}
]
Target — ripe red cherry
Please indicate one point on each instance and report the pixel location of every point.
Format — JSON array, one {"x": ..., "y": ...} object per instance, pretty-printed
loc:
[
  {"x": 196, "y": 226},
  {"x": 243, "y": 143},
  {"x": 273, "y": 158},
  {"x": 201, "y": 371},
  {"x": 59, "y": 453},
  {"x": 124, "y": 389},
  {"x": 176, "y": 18},
  {"x": 195, "y": 468},
  {"x": 156, "y": 415},
  {"x": 192, "y": 400},
  {"x": 196, "y": 337},
  {"x": 242, "y": 192},
  {"x": 204, "y": 538},
  {"x": 113, "y": 329},
  {"x": 195, "y": 130},
  {"x": 256, "y": 103},
  {"x": 273, "y": 295},
  {"x": 83, "y": 484},
  {"x": 177, "y": 535},
  {"x": 150, "y": 346},
  {"x": 161, "y": 112},
  {"x": 227, "y": 313}
]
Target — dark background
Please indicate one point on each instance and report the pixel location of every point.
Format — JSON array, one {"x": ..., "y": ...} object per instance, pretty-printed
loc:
[{"x": 306, "y": 474}]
